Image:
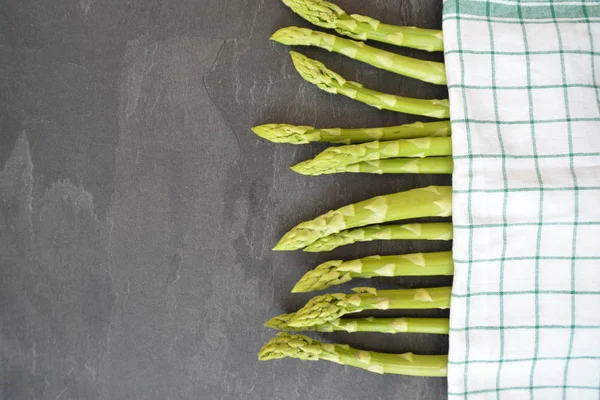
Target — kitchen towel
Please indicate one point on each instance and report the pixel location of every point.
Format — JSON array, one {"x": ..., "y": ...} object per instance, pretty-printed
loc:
[{"x": 524, "y": 78}]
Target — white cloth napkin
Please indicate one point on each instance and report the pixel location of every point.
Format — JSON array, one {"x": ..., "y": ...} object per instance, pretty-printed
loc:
[{"x": 525, "y": 107}]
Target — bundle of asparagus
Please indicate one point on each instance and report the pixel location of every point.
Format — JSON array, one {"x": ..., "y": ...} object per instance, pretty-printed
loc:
[
  {"x": 412, "y": 148},
  {"x": 324, "y": 313},
  {"x": 328, "y": 15}
]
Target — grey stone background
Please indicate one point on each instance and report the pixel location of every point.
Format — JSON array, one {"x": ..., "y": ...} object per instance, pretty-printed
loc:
[{"x": 137, "y": 209}]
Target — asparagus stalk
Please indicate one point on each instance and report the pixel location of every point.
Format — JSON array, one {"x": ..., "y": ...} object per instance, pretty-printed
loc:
[
  {"x": 336, "y": 272},
  {"x": 284, "y": 133},
  {"x": 438, "y": 326},
  {"x": 317, "y": 73},
  {"x": 328, "y": 307},
  {"x": 429, "y": 165},
  {"x": 429, "y": 201},
  {"x": 341, "y": 156},
  {"x": 304, "y": 348},
  {"x": 427, "y": 71},
  {"x": 327, "y": 15},
  {"x": 417, "y": 231}
]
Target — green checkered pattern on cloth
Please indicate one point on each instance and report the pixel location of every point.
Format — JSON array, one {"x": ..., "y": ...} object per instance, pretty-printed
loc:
[{"x": 524, "y": 88}]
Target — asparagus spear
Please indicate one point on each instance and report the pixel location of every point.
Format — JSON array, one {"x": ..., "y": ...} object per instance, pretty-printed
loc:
[
  {"x": 284, "y": 133},
  {"x": 427, "y": 71},
  {"x": 327, "y": 15},
  {"x": 336, "y": 272},
  {"x": 417, "y": 231},
  {"x": 317, "y": 73},
  {"x": 429, "y": 165},
  {"x": 429, "y": 201},
  {"x": 304, "y": 348},
  {"x": 438, "y": 326},
  {"x": 340, "y": 156},
  {"x": 328, "y": 307}
]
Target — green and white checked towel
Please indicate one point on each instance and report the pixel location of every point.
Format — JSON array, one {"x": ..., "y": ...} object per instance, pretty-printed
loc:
[{"x": 524, "y": 82}]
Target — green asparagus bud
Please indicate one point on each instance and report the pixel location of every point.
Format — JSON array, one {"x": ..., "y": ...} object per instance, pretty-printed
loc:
[
  {"x": 317, "y": 73},
  {"x": 439, "y": 326},
  {"x": 304, "y": 348},
  {"x": 429, "y": 165},
  {"x": 417, "y": 231},
  {"x": 336, "y": 272},
  {"x": 284, "y": 133}
]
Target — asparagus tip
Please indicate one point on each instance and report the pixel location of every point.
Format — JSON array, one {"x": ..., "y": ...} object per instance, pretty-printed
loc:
[
  {"x": 318, "y": 12},
  {"x": 292, "y": 35},
  {"x": 301, "y": 168},
  {"x": 322, "y": 277},
  {"x": 283, "y": 133},
  {"x": 259, "y": 130},
  {"x": 328, "y": 243},
  {"x": 279, "y": 322},
  {"x": 316, "y": 72},
  {"x": 298, "y": 288},
  {"x": 288, "y": 345},
  {"x": 322, "y": 309},
  {"x": 300, "y": 236}
]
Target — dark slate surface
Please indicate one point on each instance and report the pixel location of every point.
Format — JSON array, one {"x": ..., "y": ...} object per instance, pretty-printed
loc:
[{"x": 137, "y": 210}]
